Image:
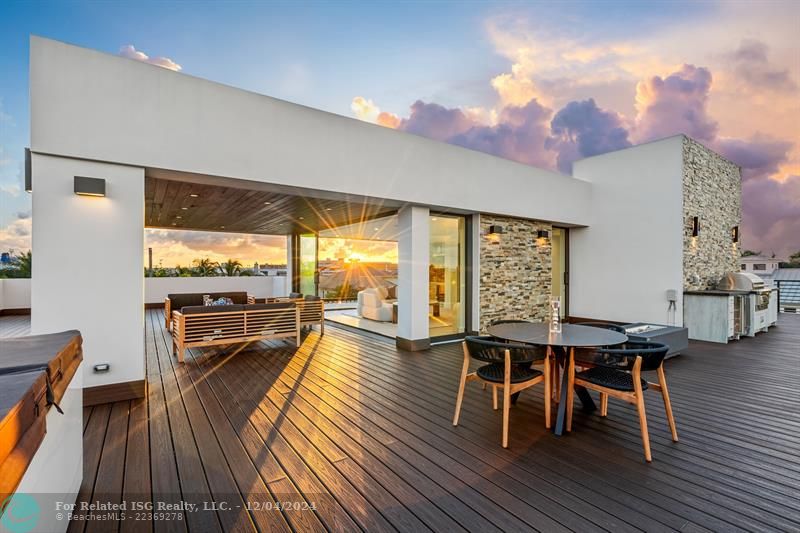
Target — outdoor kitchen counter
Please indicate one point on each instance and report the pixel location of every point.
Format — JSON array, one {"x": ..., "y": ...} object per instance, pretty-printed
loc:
[{"x": 715, "y": 292}]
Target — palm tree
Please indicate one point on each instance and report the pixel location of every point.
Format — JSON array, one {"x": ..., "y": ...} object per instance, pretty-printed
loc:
[
  {"x": 232, "y": 267},
  {"x": 205, "y": 267},
  {"x": 22, "y": 265}
]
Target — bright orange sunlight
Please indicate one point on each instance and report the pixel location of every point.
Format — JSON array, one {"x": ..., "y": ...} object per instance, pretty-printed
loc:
[{"x": 355, "y": 250}]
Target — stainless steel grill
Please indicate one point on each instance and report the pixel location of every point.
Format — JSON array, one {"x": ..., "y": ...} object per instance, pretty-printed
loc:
[{"x": 741, "y": 281}]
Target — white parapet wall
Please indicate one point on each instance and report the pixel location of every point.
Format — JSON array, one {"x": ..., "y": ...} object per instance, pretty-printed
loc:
[
  {"x": 15, "y": 293},
  {"x": 156, "y": 289}
]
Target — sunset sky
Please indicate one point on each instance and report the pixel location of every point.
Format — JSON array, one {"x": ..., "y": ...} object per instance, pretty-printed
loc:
[{"x": 544, "y": 83}]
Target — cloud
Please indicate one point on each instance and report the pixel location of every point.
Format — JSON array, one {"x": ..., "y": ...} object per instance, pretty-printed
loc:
[
  {"x": 16, "y": 235},
  {"x": 518, "y": 135},
  {"x": 435, "y": 121},
  {"x": 771, "y": 215},
  {"x": 173, "y": 247},
  {"x": 675, "y": 104},
  {"x": 760, "y": 156},
  {"x": 366, "y": 110},
  {"x": 751, "y": 65},
  {"x": 131, "y": 52},
  {"x": 581, "y": 129}
]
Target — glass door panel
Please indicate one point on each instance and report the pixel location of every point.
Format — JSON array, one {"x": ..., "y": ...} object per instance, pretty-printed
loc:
[
  {"x": 447, "y": 276},
  {"x": 309, "y": 278},
  {"x": 559, "y": 258}
]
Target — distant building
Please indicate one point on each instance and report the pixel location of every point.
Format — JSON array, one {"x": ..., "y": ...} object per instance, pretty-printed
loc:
[{"x": 759, "y": 265}]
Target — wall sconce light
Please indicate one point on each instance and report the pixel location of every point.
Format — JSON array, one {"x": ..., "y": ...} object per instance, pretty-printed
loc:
[
  {"x": 493, "y": 234},
  {"x": 735, "y": 234},
  {"x": 496, "y": 230},
  {"x": 695, "y": 226},
  {"x": 542, "y": 234},
  {"x": 90, "y": 186}
]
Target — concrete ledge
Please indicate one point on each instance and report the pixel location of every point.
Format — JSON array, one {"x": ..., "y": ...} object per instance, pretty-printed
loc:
[
  {"x": 416, "y": 345},
  {"x": 114, "y": 392}
]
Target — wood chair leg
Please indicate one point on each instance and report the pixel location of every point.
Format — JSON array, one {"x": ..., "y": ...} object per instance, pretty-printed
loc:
[
  {"x": 603, "y": 404},
  {"x": 461, "y": 386},
  {"x": 662, "y": 380},
  {"x": 483, "y": 385},
  {"x": 643, "y": 426},
  {"x": 506, "y": 409},
  {"x": 494, "y": 397},
  {"x": 180, "y": 354},
  {"x": 570, "y": 367},
  {"x": 547, "y": 392}
]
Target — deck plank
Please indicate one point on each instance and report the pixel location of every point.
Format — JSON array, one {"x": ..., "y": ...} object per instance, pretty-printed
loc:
[{"x": 364, "y": 431}]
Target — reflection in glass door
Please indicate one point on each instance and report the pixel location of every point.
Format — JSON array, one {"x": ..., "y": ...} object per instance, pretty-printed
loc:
[
  {"x": 309, "y": 277},
  {"x": 559, "y": 258},
  {"x": 447, "y": 276}
]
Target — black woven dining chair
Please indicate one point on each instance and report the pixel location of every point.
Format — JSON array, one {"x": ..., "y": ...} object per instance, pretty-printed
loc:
[
  {"x": 604, "y": 325},
  {"x": 617, "y": 372},
  {"x": 507, "y": 366},
  {"x": 497, "y": 323}
]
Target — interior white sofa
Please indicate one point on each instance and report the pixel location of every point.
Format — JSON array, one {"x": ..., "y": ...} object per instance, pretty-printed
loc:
[{"x": 373, "y": 304}]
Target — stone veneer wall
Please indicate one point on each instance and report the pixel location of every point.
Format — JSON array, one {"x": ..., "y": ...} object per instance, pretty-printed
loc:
[
  {"x": 515, "y": 271},
  {"x": 712, "y": 190}
]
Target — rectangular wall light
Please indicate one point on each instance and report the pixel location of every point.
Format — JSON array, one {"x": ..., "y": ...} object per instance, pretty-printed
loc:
[
  {"x": 496, "y": 230},
  {"x": 695, "y": 226},
  {"x": 542, "y": 234},
  {"x": 735, "y": 234},
  {"x": 28, "y": 169},
  {"x": 90, "y": 186}
]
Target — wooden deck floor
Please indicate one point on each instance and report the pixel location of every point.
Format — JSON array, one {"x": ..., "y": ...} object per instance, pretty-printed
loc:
[{"x": 363, "y": 433}]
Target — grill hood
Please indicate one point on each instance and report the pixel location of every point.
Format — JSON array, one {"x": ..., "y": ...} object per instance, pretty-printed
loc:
[{"x": 741, "y": 281}]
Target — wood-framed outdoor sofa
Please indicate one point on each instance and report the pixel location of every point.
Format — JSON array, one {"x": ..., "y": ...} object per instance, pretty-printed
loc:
[
  {"x": 213, "y": 325},
  {"x": 312, "y": 310},
  {"x": 186, "y": 299}
]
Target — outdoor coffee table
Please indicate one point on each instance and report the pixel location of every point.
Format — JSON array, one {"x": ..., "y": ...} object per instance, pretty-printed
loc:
[{"x": 571, "y": 337}]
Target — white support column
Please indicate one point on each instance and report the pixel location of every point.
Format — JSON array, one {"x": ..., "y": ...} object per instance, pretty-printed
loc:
[
  {"x": 413, "y": 257},
  {"x": 88, "y": 263},
  {"x": 475, "y": 271}
]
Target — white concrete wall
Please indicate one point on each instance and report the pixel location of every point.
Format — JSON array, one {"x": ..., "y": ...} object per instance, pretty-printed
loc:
[
  {"x": 56, "y": 471},
  {"x": 413, "y": 252},
  {"x": 156, "y": 289},
  {"x": 622, "y": 264},
  {"x": 87, "y": 272},
  {"x": 103, "y": 107},
  {"x": 15, "y": 293}
]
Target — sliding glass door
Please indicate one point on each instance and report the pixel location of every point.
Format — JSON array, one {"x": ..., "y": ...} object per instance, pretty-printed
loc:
[
  {"x": 309, "y": 276},
  {"x": 560, "y": 268},
  {"x": 447, "y": 283}
]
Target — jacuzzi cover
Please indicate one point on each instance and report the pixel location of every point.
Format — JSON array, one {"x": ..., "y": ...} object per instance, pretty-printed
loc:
[{"x": 34, "y": 374}]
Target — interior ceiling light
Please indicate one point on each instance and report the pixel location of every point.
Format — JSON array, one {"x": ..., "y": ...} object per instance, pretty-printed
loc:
[
  {"x": 185, "y": 208},
  {"x": 193, "y": 195}
]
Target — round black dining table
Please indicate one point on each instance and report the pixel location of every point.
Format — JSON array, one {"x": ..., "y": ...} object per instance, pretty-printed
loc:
[{"x": 571, "y": 336}]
